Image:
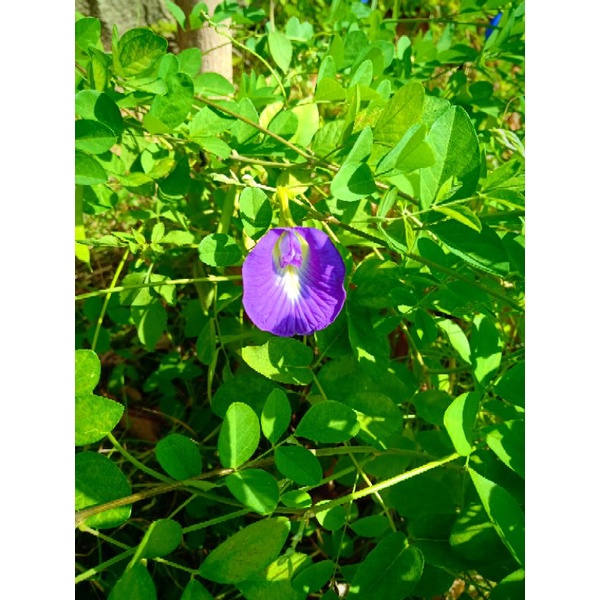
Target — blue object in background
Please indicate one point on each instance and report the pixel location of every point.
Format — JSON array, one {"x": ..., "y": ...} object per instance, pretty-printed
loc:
[{"x": 494, "y": 22}]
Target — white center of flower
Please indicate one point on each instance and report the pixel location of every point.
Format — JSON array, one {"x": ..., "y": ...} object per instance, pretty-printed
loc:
[{"x": 291, "y": 283}]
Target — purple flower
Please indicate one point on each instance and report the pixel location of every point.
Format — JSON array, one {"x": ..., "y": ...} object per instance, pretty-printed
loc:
[{"x": 293, "y": 281}]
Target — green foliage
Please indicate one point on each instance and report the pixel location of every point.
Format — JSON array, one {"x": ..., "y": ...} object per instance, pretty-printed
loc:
[{"x": 381, "y": 457}]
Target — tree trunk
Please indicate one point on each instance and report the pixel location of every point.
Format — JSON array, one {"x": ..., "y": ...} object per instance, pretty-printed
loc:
[{"x": 217, "y": 52}]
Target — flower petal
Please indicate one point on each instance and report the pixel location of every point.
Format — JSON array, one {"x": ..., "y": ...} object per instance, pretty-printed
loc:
[{"x": 293, "y": 281}]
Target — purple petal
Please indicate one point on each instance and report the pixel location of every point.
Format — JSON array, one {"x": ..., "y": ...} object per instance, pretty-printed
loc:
[{"x": 293, "y": 281}]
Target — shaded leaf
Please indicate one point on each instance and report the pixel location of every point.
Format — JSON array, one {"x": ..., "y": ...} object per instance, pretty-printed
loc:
[
  {"x": 246, "y": 552},
  {"x": 329, "y": 422}
]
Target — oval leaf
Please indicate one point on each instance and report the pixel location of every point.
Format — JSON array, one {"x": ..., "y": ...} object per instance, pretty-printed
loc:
[
  {"x": 329, "y": 422},
  {"x": 97, "y": 481},
  {"x": 282, "y": 359},
  {"x": 254, "y": 488},
  {"x": 134, "y": 584},
  {"x": 87, "y": 371},
  {"x": 390, "y": 570},
  {"x": 219, "y": 250},
  {"x": 95, "y": 416},
  {"x": 276, "y": 415},
  {"x": 504, "y": 513},
  {"x": 138, "y": 51},
  {"x": 246, "y": 552},
  {"x": 255, "y": 211},
  {"x": 298, "y": 464},
  {"x": 459, "y": 420},
  {"x": 162, "y": 537},
  {"x": 179, "y": 457},
  {"x": 239, "y": 435},
  {"x": 314, "y": 577}
]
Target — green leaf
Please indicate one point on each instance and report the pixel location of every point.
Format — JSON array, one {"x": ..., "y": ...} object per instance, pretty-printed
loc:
[
  {"x": 328, "y": 422},
  {"x": 410, "y": 153},
  {"x": 483, "y": 249},
  {"x": 95, "y": 417},
  {"x": 276, "y": 415},
  {"x": 473, "y": 536},
  {"x": 255, "y": 211},
  {"x": 313, "y": 577},
  {"x": 88, "y": 171},
  {"x": 327, "y": 69},
  {"x": 254, "y": 488},
  {"x": 177, "y": 13},
  {"x": 457, "y": 338},
  {"x": 459, "y": 420},
  {"x": 507, "y": 440},
  {"x": 401, "y": 112},
  {"x": 422, "y": 496},
  {"x": 274, "y": 582},
  {"x": 353, "y": 182},
  {"x": 364, "y": 74},
  {"x": 379, "y": 418},
  {"x": 511, "y": 386},
  {"x": 281, "y": 49},
  {"x": 219, "y": 250},
  {"x": 87, "y": 32},
  {"x": 194, "y": 590},
  {"x": 97, "y": 106},
  {"x": 330, "y": 90},
  {"x": 134, "y": 584},
  {"x": 296, "y": 499},
  {"x": 214, "y": 145},
  {"x": 206, "y": 344},
  {"x": 246, "y": 552},
  {"x": 239, "y": 435},
  {"x": 308, "y": 123},
  {"x": 97, "y": 481},
  {"x": 150, "y": 318},
  {"x": 207, "y": 122},
  {"x": 462, "y": 214},
  {"x": 241, "y": 131},
  {"x": 486, "y": 349},
  {"x": 512, "y": 587},
  {"x": 390, "y": 570},
  {"x": 138, "y": 51},
  {"x": 431, "y": 405},
  {"x": 213, "y": 84},
  {"x": 371, "y": 526},
  {"x": 169, "y": 110},
  {"x": 282, "y": 359},
  {"x": 163, "y": 536},
  {"x": 301, "y": 32},
  {"x": 251, "y": 386},
  {"x": 453, "y": 140},
  {"x": 332, "y": 519},
  {"x": 87, "y": 371},
  {"x": 504, "y": 513},
  {"x": 298, "y": 464},
  {"x": 179, "y": 457}
]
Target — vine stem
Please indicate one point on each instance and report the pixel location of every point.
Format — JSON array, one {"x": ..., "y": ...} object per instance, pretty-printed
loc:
[
  {"x": 107, "y": 299},
  {"x": 382, "y": 485},
  {"x": 121, "y": 288},
  {"x": 136, "y": 462}
]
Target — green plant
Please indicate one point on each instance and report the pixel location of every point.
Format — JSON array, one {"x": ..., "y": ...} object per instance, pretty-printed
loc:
[{"x": 381, "y": 456}]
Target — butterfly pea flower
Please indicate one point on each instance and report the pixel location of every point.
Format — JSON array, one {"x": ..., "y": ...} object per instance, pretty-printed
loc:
[
  {"x": 293, "y": 281},
  {"x": 494, "y": 23}
]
